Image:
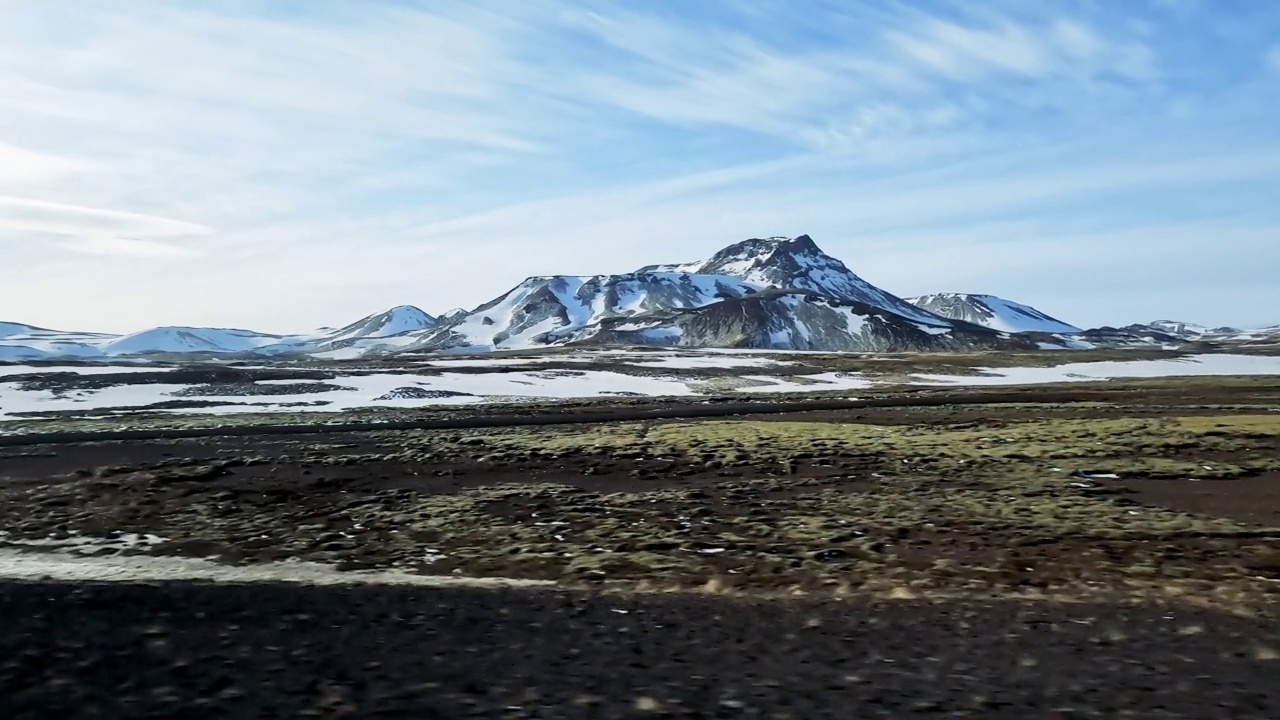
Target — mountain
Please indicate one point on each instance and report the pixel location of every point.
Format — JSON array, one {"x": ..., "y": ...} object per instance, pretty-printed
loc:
[
  {"x": 1176, "y": 331},
  {"x": 396, "y": 321},
  {"x": 19, "y": 331},
  {"x": 559, "y": 309},
  {"x": 760, "y": 293},
  {"x": 27, "y": 342},
  {"x": 380, "y": 332},
  {"x": 796, "y": 264},
  {"x": 1191, "y": 331},
  {"x": 385, "y": 330},
  {"x": 775, "y": 293},
  {"x": 992, "y": 312},
  {"x": 187, "y": 340},
  {"x": 794, "y": 320},
  {"x": 10, "y": 329}
]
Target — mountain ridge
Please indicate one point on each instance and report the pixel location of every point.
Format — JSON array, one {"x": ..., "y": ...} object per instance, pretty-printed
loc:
[
  {"x": 993, "y": 312},
  {"x": 768, "y": 293}
]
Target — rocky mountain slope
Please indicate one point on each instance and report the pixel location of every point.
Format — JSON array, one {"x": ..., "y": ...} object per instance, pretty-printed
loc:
[
  {"x": 797, "y": 264},
  {"x": 794, "y": 320},
  {"x": 992, "y": 312}
]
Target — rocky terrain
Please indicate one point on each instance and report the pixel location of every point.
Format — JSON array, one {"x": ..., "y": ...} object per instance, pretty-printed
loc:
[{"x": 1058, "y": 551}]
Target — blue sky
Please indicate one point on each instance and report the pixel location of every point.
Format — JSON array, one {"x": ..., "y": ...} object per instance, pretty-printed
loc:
[{"x": 284, "y": 165}]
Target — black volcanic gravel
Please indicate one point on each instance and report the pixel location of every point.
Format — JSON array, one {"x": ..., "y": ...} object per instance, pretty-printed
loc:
[{"x": 182, "y": 650}]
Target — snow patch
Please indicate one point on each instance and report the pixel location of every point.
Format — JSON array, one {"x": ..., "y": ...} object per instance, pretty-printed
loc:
[
  {"x": 27, "y": 565},
  {"x": 1193, "y": 366}
]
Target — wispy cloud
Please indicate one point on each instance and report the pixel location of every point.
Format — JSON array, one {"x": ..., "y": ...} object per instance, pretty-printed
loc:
[
  {"x": 1057, "y": 48},
  {"x": 94, "y": 230}
]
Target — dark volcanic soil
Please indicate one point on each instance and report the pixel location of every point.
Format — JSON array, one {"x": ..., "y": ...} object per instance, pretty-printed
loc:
[{"x": 171, "y": 651}]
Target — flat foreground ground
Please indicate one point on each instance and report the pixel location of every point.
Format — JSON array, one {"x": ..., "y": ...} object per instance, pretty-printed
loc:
[
  {"x": 176, "y": 650},
  {"x": 1102, "y": 551}
]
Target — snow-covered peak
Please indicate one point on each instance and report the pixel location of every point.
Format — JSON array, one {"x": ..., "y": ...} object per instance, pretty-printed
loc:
[
  {"x": 168, "y": 340},
  {"x": 743, "y": 257},
  {"x": 798, "y": 264},
  {"x": 992, "y": 312},
  {"x": 396, "y": 321}
]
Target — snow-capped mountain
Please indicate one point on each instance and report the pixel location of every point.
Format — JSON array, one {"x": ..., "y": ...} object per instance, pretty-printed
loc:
[
  {"x": 711, "y": 303},
  {"x": 396, "y": 321},
  {"x": 380, "y": 332},
  {"x": 389, "y": 329},
  {"x": 1191, "y": 330},
  {"x": 796, "y": 264},
  {"x": 1176, "y": 331},
  {"x": 27, "y": 342},
  {"x": 992, "y": 312},
  {"x": 188, "y": 340},
  {"x": 779, "y": 293}
]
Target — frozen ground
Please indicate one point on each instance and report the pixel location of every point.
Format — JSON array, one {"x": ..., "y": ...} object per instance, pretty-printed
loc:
[{"x": 481, "y": 380}]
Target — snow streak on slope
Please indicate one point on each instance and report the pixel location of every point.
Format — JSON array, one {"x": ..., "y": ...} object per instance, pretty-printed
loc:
[{"x": 993, "y": 312}]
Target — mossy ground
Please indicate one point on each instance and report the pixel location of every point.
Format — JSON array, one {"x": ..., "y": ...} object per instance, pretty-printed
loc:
[{"x": 998, "y": 502}]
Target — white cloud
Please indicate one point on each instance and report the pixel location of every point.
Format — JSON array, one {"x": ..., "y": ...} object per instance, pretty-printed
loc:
[
  {"x": 18, "y": 213},
  {"x": 94, "y": 230},
  {"x": 21, "y": 165}
]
